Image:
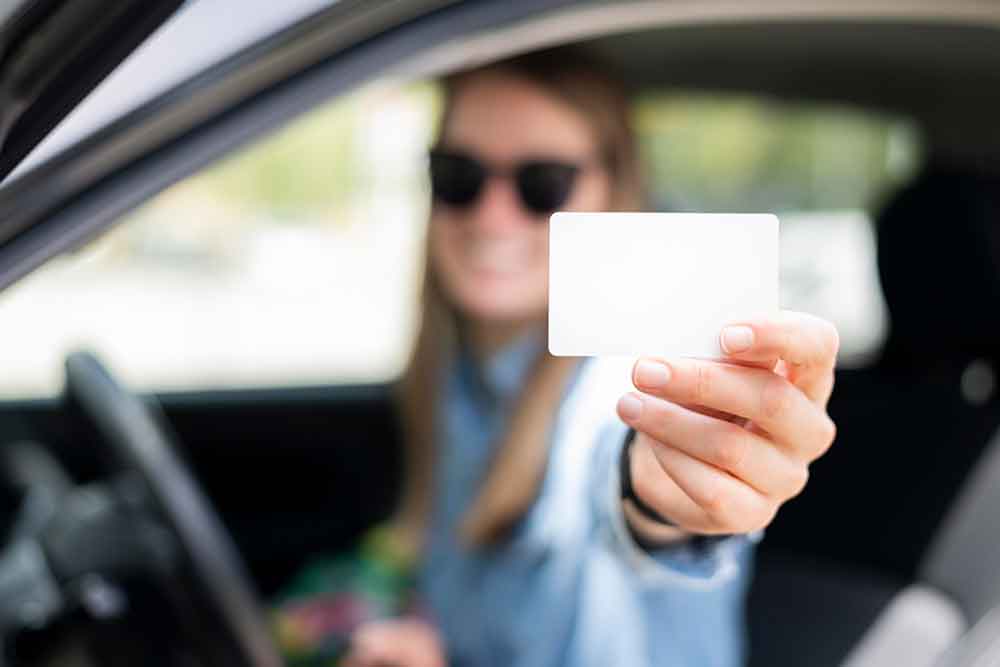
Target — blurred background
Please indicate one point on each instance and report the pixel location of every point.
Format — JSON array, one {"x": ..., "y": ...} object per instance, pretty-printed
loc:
[
  {"x": 294, "y": 263},
  {"x": 296, "y": 260}
]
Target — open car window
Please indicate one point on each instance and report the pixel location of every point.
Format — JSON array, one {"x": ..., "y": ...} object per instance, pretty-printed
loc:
[
  {"x": 292, "y": 262},
  {"x": 825, "y": 170},
  {"x": 298, "y": 260}
]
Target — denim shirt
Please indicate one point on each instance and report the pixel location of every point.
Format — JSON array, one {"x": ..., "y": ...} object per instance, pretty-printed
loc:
[{"x": 570, "y": 586}]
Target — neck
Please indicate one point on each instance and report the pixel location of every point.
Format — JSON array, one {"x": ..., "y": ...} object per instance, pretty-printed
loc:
[{"x": 486, "y": 338}]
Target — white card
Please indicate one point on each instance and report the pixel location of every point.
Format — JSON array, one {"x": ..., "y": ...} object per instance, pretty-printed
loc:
[{"x": 657, "y": 284}]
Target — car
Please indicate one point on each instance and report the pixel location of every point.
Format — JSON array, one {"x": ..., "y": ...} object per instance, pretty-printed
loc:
[{"x": 222, "y": 202}]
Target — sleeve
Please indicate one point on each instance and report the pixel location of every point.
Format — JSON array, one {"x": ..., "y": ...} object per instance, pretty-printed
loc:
[{"x": 692, "y": 564}]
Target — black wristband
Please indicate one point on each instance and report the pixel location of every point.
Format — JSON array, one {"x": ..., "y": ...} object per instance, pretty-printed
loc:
[{"x": 627, "y": 492}]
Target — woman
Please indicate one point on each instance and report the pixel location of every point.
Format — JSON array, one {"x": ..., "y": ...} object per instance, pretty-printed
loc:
[{"x": 546, "y": 535}]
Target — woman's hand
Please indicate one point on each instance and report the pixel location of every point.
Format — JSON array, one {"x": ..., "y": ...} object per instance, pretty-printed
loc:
[
  {"x": 721, "y": 445},
  {"x": 400, "y": 642}
]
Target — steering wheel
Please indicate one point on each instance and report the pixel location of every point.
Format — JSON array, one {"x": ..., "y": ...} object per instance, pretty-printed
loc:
[{"x": 141, "y": 443}]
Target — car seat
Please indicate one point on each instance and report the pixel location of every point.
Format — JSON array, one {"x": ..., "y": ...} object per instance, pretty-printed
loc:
[{"x": 894, "y": 548}]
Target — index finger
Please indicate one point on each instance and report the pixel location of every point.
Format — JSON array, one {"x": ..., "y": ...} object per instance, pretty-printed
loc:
[{"x": 807, "y": 345}]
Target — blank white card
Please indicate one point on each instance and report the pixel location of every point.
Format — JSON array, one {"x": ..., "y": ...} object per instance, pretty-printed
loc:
[{"x": 657, "y": 284}]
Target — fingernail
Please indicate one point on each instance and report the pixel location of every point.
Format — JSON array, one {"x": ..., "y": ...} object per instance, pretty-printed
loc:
[
  {"x": 629, "y": 407},
  {"x": 736, "y": 339},
  {"x": 651, "y": 374}
]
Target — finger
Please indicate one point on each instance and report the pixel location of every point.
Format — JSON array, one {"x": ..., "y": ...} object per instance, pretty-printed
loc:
[
  {"x": 726, "y": 446},
  {"x": 398, "y": 654},
  {"x": 727, "y": 505},
  {"x": 805, "y": 343},
  {"x": 396, "y": 643},
  {"x": 379, "y": 644},
  {"x": 422, "y": 647},
  {"x": 656, "y": 488},
  {"x": 709, "y": 412},
  {"x": 770, "y": 401}
]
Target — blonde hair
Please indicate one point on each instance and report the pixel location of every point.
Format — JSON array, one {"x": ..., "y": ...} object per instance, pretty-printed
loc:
[{"x": 516, "y": 472}]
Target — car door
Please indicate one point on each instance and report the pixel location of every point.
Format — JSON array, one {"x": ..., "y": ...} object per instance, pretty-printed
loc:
[
  {"x": 266, "y": 304},
  {"x": 269, "y": 330},
  {"x": 54, "y": 52},
  {"x": 269, "y": 304},
  {"x": 297, "y": 451}
]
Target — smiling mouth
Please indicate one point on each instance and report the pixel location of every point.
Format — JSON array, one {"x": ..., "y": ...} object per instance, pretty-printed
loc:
[{"x": 498, "y": 257}]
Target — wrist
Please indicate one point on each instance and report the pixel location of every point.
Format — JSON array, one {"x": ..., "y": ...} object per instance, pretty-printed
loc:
[
  {"x": 648, "y": 527},
  {"x": 650, "y": 534}
]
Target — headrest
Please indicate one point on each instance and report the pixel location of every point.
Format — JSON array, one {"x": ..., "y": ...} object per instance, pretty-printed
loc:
[{"x": 939, "y": 262}]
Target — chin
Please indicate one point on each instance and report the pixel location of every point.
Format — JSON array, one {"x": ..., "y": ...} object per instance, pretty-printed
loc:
[{"x": 500, "y": 308}]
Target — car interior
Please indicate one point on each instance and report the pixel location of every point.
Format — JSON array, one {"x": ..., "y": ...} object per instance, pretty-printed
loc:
[
  {"x": 888, "y": 556},
  {"x": 913, "y": 427}
]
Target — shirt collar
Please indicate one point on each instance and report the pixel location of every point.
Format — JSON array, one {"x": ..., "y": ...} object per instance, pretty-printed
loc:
[{"x": 503, "y": 374}]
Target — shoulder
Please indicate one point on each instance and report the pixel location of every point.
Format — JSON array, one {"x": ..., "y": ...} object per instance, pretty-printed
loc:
[
  {"x": 585, "y": 431},
  {"x": 587, "y": 415},
  {"x": 596, "y": 389}
]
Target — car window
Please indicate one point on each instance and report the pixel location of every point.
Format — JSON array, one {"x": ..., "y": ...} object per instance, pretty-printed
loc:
[
  {"x": 297, "y": 261},
  {"x": 292, "y": 262},
  {"x": 823, "y": 169}
]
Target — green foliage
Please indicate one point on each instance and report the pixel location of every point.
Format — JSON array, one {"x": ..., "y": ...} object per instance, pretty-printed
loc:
[
  {"x": 701, "y": 151},
  {"x": 742, "y": 153},
  {"x": 312, "y": 167},
  {"x": 306, "y": 167}
]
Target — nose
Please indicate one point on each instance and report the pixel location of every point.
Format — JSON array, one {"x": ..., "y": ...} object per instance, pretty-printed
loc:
[{"x": 499, "y": 207}]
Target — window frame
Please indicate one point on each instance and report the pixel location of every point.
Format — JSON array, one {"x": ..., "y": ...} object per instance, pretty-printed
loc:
[{"x": 75, "y": 195}]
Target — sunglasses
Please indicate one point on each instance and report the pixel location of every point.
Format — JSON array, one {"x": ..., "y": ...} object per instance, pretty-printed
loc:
[{"x": 457, "y": 179}]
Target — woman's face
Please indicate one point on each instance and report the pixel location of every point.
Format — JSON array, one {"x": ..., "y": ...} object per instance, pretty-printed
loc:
[{"x": 491, "y": 256}]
